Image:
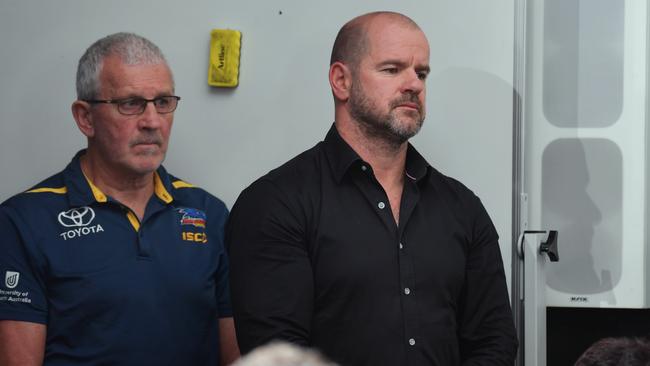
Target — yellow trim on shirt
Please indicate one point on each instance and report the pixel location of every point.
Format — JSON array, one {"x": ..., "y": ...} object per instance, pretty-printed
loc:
[
  {"x": 180, "y": 184},
  {"x": 133, "y": 220},
  {"x": 60, "y": 190},
  {"x": 160, "y": 190},
  {"x": 99, "y": 195}
]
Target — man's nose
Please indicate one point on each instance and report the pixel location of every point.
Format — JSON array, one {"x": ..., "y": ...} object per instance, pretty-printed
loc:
[
  {"x": 413, "y": 83},
  {"x": 150, "y": 118}
]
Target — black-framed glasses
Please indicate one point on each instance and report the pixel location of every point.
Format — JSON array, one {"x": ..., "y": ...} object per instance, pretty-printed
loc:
[{"x": 137, "y": 105}]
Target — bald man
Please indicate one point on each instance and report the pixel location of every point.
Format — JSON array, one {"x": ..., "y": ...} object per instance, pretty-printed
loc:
[{"x": 358, "y": 246}]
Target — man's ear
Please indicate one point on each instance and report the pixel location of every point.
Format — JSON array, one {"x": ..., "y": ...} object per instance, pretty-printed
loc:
[
  {"x": 340, "y": 80},
  {"x": 83, "y": 117}
]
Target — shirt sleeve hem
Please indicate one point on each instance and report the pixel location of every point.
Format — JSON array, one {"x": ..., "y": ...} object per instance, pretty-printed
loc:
[
  {"x": 23, "y": 316},
  {"x": 225, "y": 313}
]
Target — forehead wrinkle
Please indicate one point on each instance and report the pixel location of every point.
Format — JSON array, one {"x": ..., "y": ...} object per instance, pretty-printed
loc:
[
  {"x": 123, "y": 79},
  {"x": 395, "y": 52}
]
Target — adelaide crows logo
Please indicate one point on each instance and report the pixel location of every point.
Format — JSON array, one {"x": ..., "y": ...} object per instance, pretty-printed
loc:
[{"x": 192, "y": 216}]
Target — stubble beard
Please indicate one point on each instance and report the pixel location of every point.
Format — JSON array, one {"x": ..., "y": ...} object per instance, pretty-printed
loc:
[{"x": 388, "y": 127}]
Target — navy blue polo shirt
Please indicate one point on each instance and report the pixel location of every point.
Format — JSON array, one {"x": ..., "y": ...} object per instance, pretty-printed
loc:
[{"x": 111, "y": 289}]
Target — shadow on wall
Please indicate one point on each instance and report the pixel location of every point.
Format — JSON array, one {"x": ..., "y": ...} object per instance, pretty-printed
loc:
[
  {"x": 468, "y": 108},
  {"x": 468, "y": 136},
  {"x": 582, "y": 197}
]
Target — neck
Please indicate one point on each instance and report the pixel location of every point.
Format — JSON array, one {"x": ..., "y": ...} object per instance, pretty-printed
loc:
[
  {"x": 387, "y": 159},
  {"x": 131, "y": 190}
]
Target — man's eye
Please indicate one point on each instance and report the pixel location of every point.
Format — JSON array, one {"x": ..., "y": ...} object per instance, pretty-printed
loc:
[
  {"x": 390, "y": 70},
  {"x": 132, "y": 103},
  {"x": 162, "y": 102},
  {"x": 422, "y": 75}
]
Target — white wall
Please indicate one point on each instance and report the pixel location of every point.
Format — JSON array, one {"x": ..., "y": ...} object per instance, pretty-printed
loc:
[{"x": 224, "y": 139}]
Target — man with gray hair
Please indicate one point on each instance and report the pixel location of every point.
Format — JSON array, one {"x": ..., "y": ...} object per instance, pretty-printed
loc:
[{"x": 114, "y": 261}]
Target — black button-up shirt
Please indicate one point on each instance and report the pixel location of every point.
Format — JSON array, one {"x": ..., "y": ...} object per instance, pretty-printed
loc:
[{"x": 317, "y": 259}]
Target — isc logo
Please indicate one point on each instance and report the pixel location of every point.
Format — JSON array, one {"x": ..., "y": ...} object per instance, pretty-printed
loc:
[{"x": 195, "y": 237}]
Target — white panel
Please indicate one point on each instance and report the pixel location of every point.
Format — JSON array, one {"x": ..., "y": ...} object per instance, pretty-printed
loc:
[{"x": 586, "y": 144}]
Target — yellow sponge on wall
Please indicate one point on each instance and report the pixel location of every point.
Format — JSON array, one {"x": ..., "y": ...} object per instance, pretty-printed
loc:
[{"x": 224, "y": 57}]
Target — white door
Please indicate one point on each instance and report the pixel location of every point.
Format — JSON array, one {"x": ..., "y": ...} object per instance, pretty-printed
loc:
[{"x": 585, "y": 157}]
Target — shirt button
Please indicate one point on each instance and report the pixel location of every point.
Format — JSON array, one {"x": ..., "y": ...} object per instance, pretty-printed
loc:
[
  {"x": 364, "y": 168},
  {"x": 412, "y": 342},
  {"x": 381, "y": 205},
  {"x": 407, "y": 290},
  {"x": 401, "y": 246}
]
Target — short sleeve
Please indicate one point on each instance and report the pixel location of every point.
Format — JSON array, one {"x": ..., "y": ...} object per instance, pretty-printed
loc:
[
  {"x": 22, "y": 290},
  {"x": 217, "y": 216}
]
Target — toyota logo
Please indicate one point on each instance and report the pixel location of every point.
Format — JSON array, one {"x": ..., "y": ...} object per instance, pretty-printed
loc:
[{"x": 81, "y": 216}]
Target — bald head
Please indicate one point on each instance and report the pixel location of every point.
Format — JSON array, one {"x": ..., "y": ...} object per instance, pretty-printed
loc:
[{"x": 352, "y": 41}]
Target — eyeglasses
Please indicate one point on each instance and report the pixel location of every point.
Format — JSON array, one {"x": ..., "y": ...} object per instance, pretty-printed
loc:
[{"x": 137, "y": 105}]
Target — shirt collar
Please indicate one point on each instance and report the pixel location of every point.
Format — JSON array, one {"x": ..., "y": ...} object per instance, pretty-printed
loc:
[
  {"x": 342, "y": 157},
  {"x": 82, "y": 191},
  {"x": 417, "y": 166}
]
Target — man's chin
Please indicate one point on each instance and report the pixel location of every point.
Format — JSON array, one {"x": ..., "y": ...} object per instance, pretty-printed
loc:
[
  {"x": 406, "y": 129},
  {"x": 146, "y": 164},
  {"x": 409, "y": 116}
]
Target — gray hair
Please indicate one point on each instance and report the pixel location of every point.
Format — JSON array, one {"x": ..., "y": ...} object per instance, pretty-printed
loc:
[
  {"x": 283, "y": 354},
  {"x": 131, "y": 48}
]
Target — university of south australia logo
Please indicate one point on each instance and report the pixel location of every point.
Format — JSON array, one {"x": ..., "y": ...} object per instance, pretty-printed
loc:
[
  {"x": 78, "y": 220},
  {"x": 11, "y": 279}
]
